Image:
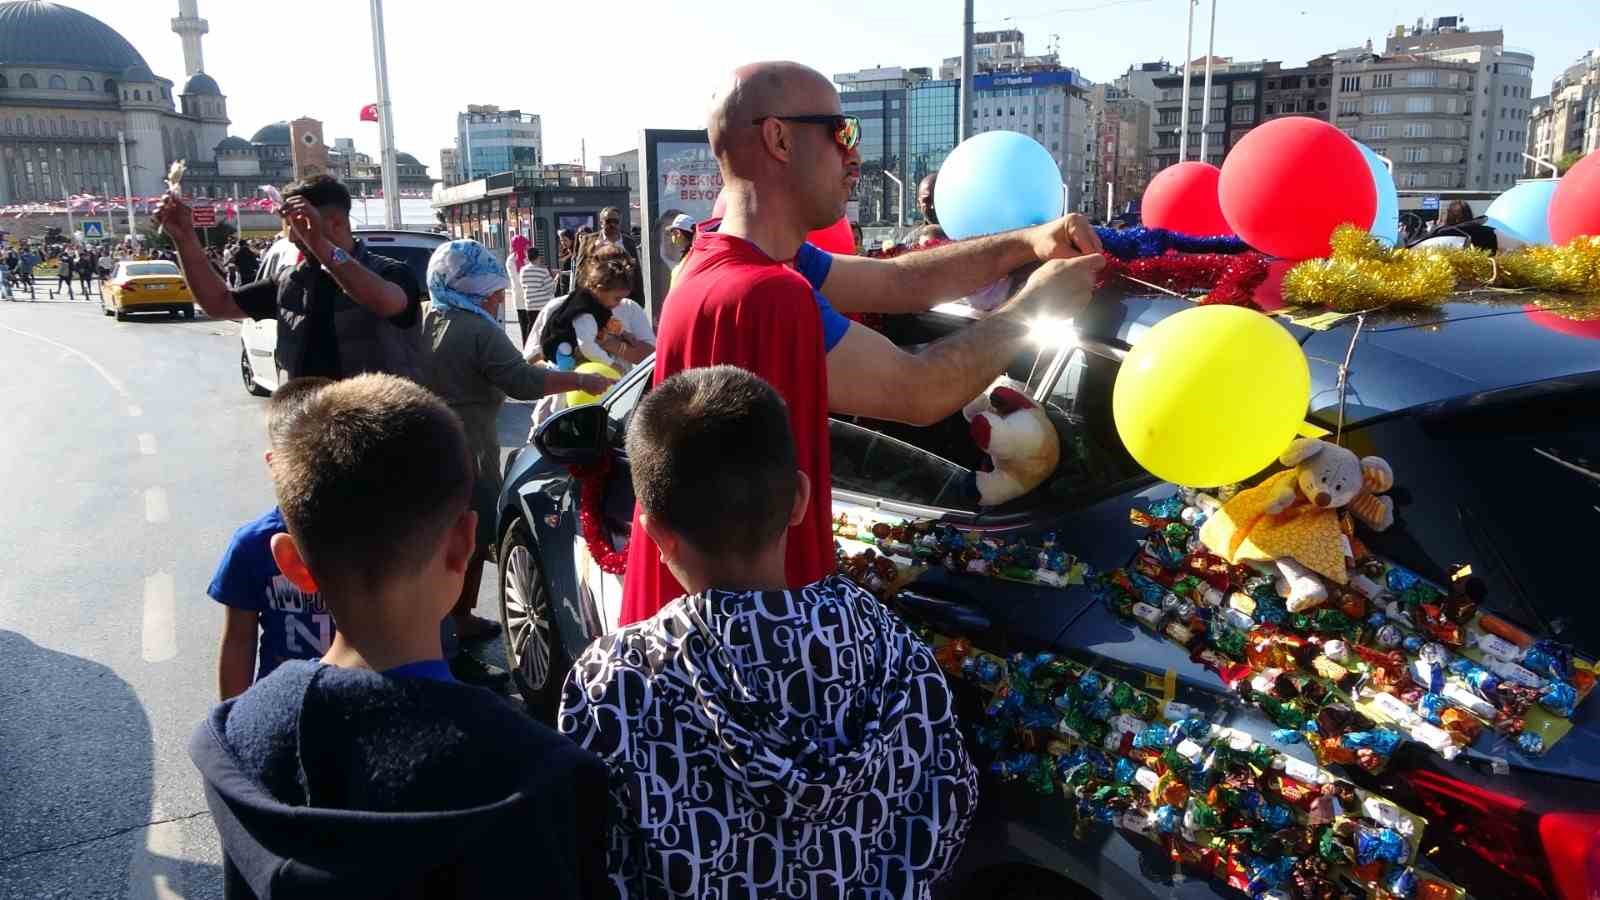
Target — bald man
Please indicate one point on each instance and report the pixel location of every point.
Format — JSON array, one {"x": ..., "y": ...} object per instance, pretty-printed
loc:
[
  {"x": 754, "y": 294},
  {"x": 925, "y": 198}
]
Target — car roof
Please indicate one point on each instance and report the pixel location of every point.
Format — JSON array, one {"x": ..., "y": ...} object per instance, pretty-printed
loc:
[{"x": 1475, "y": 343}]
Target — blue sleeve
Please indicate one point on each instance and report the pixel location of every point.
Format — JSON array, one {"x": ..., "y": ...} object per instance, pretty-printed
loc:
[
  {"x": 813, "y": 265},
  {"x": 242, "y": 573}
]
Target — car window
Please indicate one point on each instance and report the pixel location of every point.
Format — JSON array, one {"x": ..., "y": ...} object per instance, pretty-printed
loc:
[
  {"x": 1093, "y": 459},
  {"x": 621, "y": 404},
  {"x": 414, "y": 258},
  {"x": 149, "y": 268},
  {"x": 876, "y": 464}
]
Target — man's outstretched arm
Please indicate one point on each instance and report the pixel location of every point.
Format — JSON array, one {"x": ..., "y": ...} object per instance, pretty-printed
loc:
[
  {"x": 869, "y": 376},
  {"x": 210, "y": 291},
  {"x": 919, "y": 281}
]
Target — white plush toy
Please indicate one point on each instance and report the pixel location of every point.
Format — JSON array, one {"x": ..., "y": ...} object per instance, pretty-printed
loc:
[{"x": 1023, "y": 446}]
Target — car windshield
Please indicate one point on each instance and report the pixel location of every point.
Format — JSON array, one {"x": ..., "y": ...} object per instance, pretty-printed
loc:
[{"x": 149, "y": 268}]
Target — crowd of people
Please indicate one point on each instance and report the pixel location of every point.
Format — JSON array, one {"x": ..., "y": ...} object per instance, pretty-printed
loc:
[
  {"x": 87, "y": 267},
  {"x": 757, "y": 726}
]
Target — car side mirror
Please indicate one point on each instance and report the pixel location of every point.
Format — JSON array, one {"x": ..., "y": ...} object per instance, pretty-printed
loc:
[{"x": 575, "y": 436}]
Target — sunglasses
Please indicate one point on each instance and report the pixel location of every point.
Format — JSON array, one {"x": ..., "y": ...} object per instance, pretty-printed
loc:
[{"x": 846, "y": 129}]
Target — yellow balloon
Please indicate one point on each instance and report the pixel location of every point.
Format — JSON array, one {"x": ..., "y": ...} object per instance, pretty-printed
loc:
[
  {"x": 579, "y": 398},
  {"x": 1211, "y": 395}
]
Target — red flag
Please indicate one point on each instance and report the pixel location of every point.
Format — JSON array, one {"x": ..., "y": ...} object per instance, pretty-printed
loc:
[{"x": 369, "y": 113}]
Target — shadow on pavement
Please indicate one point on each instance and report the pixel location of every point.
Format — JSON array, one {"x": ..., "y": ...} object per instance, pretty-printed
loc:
[{"x": 76, "y": 775}]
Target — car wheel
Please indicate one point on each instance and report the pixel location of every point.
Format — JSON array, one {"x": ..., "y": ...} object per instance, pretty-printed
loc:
[
  {"x": 534, "y": 655},
  {"x": 172, "y": 314},
  {"x": 250, "y": 385},
  {"x": 121, "y": 316},
  {"x": 188, "y": 313}
]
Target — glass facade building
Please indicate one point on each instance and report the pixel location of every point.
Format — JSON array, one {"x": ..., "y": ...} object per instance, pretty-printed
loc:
[
  {"x": 882, "y": 148},
  {"x": 490, "y": 140},
  {"x": 933, "y": 111}
]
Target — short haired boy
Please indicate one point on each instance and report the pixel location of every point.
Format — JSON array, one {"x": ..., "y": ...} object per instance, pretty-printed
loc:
[
  {"x": 761, "y": 741},
  {"x": 256, "y": 596},
  {"x": 373, "y": 773}
]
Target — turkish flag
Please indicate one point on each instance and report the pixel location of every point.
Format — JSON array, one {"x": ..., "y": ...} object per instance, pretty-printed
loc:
[{"x": 369, "y": 113}]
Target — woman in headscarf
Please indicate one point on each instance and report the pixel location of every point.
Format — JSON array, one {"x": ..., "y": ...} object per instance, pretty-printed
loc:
[{"x": 470, "y": 362}]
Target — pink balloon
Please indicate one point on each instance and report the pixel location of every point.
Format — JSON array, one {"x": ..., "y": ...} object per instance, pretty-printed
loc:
[
  {"x": 836, "y": 238},
  {"x": 1183, "y": 198},
  {"x": 1575, "y": 205},
  {"x": 1289, "y": 183}
]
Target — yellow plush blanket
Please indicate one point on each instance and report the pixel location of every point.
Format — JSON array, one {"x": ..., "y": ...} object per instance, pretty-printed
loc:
[{"x": 1242, "y": 530}]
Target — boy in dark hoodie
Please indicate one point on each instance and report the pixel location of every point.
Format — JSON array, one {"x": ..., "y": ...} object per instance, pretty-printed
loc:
[
  {"x": 762, "y": 742},
  {"x": 372, "y": 773}
]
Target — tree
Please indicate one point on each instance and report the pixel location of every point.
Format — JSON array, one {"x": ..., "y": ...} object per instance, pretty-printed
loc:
[{"x": 1568, "y": 161}]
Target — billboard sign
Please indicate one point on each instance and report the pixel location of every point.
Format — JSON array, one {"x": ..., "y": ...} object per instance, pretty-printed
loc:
[{"x": 679, "y": 176}]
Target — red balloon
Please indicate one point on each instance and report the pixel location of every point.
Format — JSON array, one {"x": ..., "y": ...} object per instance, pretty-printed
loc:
[
  {"x": 1290, "y": 182},
  {"x": 836, "y": 238},
  {"x": 1575, "y": 205},
  {"x": 1183, "y": 198}
]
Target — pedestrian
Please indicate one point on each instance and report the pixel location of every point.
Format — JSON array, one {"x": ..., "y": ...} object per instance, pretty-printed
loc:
[
  {"x": 925, "y": 190},
  {"x": 598, "y": 322},
  {"x": 472, "y": 365},
  {"x": 6, "y": 262},
  {"x": 373, "y": 772},
  {"x": 746, "y": 714},
  {"x": 85, "y": 267},
  {"x": 26, "y": 262},
  {"x": 538, "y": 289},
  {"x": 609, "y": 235},
  {"x": 343, "y": 311},
  {"x": 64, "y": 265},
  {"x": 260, "y": 605},
  {"x": 1458, "y": 220},
  {"x": 675, "y": 245},
  {"x": 756, "y": 295},
  {"x": 566, "y": 246}
]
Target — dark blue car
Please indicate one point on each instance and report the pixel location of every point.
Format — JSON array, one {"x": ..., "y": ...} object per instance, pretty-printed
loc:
[{"x": 1488, "y": 412}]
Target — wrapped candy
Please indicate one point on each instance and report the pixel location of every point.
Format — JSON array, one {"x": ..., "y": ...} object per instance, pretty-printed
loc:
[
  {"x": 1401, "y": 884},
  {"x": 1381, "y": 741},
  {"x": 1379, "y": 844},
  {"x": 1200, "y": 816},
  {"x": 1168, "y": 819},
  {"x": 1169, "y": 507},
  {"x": 1530, "y": 743},
  {"x": 1550, "y": 659},
  {"x": 952, "y": 655},
  {"x": 1275, "y": 816},
  {"x": 1124, "y": 770},
  {"x": 1560, "y": 698},
  {"x": 1431, "y": 706},
  {"x": 1389, "y": 636},
  {"x": 1286, "y": 736}
]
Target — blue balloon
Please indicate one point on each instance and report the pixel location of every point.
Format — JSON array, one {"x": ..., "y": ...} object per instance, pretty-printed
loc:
[
  {"x": 1523, "y": 211},
  {"x": 1386, "y": 224},
  {"x": 997, "y": 181}
]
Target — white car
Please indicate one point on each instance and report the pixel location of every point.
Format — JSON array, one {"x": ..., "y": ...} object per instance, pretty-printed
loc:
[{"x": 258, "y": 340}]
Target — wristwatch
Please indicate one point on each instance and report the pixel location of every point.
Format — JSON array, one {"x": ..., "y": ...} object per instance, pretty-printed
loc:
[{"x": 339, "y": 257}]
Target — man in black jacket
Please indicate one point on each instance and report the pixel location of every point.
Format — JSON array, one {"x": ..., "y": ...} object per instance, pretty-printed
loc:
[
  {"x": 372, "y": 772},
  {"x": 610, "y": 233},
  {"x": 341, "y": 311}
]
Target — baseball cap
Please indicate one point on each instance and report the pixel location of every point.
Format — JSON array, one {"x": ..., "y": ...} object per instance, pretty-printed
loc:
[{"x": 683, "y": 223}]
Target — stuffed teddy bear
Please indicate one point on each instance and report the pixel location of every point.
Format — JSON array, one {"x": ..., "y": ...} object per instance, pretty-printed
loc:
[
  {"x": 1022, "y": 445},
  {"x": 1291, "y": 519}
]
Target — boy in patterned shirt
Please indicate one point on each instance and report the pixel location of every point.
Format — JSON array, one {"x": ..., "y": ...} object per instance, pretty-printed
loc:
[{"x": 761, "y": 741}]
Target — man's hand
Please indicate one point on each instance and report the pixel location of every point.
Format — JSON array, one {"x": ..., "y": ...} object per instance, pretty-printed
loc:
[
  {"x": 174, "y": 217},
  {"x": 305, "y": 227},
  {"x": 1067, "y": 237},
  {"x": 1061, "y": 287}
]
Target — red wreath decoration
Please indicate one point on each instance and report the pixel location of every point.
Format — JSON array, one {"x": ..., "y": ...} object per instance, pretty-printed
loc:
[
  {"x": 591, "y": 493},
  {"x": 1229, "y": 278}
]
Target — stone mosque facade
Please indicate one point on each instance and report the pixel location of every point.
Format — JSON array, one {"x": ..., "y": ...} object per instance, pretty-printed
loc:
[{"x": 69, "y": 84}]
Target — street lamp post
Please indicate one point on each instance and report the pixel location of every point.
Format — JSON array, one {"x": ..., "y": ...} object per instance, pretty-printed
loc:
[
  {"x": 902, "y": 186},
  {"x": 391, "y": 177},
  {"x": 127, "y": 183}
]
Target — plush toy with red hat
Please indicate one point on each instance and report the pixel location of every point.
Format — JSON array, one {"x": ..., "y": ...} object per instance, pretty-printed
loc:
[{"x": 1022, "y": 445}]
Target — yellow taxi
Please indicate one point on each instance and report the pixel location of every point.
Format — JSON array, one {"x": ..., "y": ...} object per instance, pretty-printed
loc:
[{"x": 146, "y": 286}]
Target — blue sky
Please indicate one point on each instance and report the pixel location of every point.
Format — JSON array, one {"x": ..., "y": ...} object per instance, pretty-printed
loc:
[{"x": 600, "y": 71}]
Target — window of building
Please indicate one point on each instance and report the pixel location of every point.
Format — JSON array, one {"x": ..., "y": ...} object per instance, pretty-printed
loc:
[
  {"x": 1244, "y": 90},
  {"x": 1349, "y": 84},
  {"x": 1416, "y": 154},
  {"x": 3, "y": 83},
  {"x": 1383, "y": 80},
  {"x": 1194, "y": 117},
  {"x": 1417, "y": 130},
  {"x": 1419, "y": 104},
  {"x": 27, "y": 81},
  {"x": 1244, "y": 114},
  {"x": 1349, "y": 107},
  {"x": 1378, "y": 106},
  {"x": 1422, "y": 79},
  {"x": 57, "y": 83},
  {"x": 85, "y": 84},
  {"x": 1377, "y": 131},
  {"x": 1501, "y": 135},
  {"x": 1411, "y": 179},
  {"x": 1268, "y": 109}
]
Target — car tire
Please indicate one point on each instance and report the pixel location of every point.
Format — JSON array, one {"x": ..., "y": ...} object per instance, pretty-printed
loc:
[
  {"x": 534, "y": 655},
  {"x": 172, "y": 314},
  {"x": 250, "y": 385},
  {"x": 121, "y": 316},
  {"x": 188, "y": 313}
]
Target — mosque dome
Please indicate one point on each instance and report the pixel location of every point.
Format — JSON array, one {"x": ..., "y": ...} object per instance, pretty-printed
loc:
[
  {"x": 276, "y": 133},
  {"x": 201, "y": 83},
  {"x": 35, "y": 33}
]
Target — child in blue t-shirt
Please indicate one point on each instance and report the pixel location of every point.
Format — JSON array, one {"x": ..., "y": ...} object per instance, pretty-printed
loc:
[{"x": 257, "y": 597}]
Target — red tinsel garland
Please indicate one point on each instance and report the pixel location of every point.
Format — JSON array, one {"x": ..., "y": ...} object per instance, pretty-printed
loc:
[
  {"x": 1230, "y": 278},
  {"x": 591, "y": 493}
]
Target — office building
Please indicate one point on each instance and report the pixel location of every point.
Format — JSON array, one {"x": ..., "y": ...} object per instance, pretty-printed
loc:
[
  {"x": 449, "y": 167},
  {"x": 995, "y": 50},
  {"x": 1050, "y": 105},
  {"x": 1502, "y": 99},
  {"x": 1418, "y": 112},
  {"x": 933, "y": 114},
  {"x": 626, "y": 162},
  {"x": 880, "y": 98},
  {"x": 1567, "y": 120},
  {"x": 1120, "y": 158},
  {"x": 490, "y": 139},
  {"x": 1235, "y": 108},
  {"x": 1305, "y": 91}
]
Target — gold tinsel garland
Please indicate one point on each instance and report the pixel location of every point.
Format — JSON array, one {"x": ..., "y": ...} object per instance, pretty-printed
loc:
[{"x": 1363, "y": 274}]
